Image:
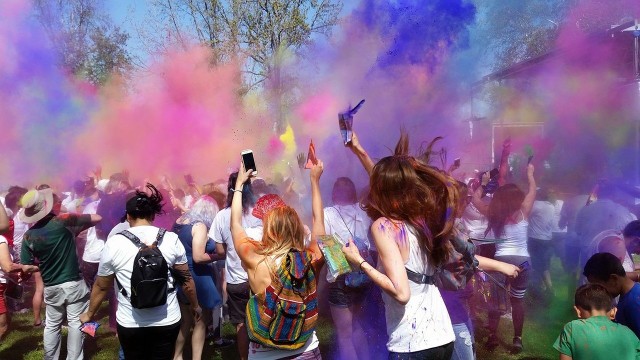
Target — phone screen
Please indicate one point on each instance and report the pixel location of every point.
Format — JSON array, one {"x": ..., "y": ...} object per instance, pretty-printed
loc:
[
  {"x": 248, "y": 161},
  {"x": 456, "y": 162}
]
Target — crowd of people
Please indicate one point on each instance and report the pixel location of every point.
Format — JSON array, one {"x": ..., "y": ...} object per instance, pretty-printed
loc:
[{"x": 397, "y": 265}]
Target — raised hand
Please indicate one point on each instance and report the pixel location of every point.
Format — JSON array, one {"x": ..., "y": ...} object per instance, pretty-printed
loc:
[{"x": 316, "y": 170}]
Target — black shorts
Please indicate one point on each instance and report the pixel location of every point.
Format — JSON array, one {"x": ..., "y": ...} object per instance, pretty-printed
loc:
[
  {"x": 341, "y": 295},
  {"x": 237, "y": 302}
]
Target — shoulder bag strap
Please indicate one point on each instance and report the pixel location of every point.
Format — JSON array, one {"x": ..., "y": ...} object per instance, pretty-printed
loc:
[{"x": 345, "y": 223}]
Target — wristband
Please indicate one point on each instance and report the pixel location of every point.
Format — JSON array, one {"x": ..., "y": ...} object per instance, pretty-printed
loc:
[{"x": 360, "y": 265}]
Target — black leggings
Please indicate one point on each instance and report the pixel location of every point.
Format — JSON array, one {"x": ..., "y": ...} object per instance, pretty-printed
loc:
[
  {"x": 517, "y": 313},
  {"x": 518, "y": 288},
  {"x": 152, "y": 343},
  {"x": 443, "y": 352}
]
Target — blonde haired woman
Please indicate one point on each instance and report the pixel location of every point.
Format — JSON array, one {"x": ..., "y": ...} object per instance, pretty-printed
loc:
[{"x": 283, "y": 234}]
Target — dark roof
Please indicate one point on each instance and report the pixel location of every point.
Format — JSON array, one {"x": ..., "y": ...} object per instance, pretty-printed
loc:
[{"x": 530, "y": 65}]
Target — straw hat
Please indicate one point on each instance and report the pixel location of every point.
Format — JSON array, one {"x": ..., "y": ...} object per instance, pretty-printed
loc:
[{"x": 36, "y": 205}]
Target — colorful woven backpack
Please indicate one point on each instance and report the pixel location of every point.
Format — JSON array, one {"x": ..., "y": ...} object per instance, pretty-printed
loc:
[{"x": 284, "y": 316}]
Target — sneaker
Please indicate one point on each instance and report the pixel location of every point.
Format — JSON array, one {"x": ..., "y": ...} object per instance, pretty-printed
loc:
[
  {"x": 517, "y": 345},
  {"x": 221, "y": 343},
  {"x": 492, "y": 342}
]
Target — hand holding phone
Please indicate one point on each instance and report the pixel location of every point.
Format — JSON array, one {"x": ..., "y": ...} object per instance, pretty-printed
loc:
[{"x": 248, "y": 161}]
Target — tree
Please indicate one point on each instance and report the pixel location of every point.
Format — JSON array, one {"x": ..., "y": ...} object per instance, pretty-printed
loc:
[
  {"x": 261, "y": 30},
  {"x": 88, "y": 44},
  {"x": 515, "y": 31}
]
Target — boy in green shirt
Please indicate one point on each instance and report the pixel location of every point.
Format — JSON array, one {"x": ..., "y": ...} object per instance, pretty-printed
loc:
[{"x": 594, "y": 336}]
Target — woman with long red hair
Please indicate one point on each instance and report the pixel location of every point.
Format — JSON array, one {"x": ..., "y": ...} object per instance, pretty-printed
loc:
[{"x": 413, "y": 205}]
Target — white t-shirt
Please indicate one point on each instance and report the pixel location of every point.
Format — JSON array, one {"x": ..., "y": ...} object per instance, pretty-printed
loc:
[
  {"x": 356, "y": 223},
  {"x": 19, "y": 228},
  {"x": 3, "y": 275},
  {"x": 117, "y": 258},
  {"x": 93, "y": 247},
  {"x": 474, "y": 223},
  {"x": 220, "y": 232},
  {"x": 120, "y": 227},
  {"x": 541, "y": 220},
  {"x": 557, "y": 210}
]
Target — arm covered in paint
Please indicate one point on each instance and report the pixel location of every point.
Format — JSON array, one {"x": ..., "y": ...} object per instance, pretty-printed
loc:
[
  {"x": 101, "y": 287},
  {"x": 388, "y": 238},
  {"x": 185, "y": 281}
]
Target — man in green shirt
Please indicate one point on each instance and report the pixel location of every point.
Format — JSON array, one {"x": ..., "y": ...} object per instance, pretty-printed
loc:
[
  {"x": 49, "y": 247},
  {"x": 594, "y": 336}
]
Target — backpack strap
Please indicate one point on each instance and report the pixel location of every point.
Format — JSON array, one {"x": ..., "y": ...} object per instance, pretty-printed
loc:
[
  {"x": 420, "y": 278},
  {"x": 161, "y": 233},
  {"x": 134, "y": 239}
]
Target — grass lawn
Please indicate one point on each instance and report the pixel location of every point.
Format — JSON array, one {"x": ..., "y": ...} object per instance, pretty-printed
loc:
[{"x": 542, "y": 326}]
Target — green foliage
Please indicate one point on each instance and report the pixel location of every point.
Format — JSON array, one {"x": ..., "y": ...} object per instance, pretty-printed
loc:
[
  {"x": 519, "y": 30},
  {"x": 87, "y": 43},
  {"x": 260, "y": 30}
]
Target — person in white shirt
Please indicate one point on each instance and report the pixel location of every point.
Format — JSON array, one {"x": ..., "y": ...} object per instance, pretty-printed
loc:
[
  {"x": 349, "y": 222},
  {"x": 144, "y": 333},
  {"x": 92, "y": 244},
  {"x": 542, "y": 222},
  {"x": 236, "y": 279},
  {"x": 19, "y": 229},
  {"x": 6, "y": 266}
]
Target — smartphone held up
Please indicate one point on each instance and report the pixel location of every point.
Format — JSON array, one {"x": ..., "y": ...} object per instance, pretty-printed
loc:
[{"x": 248, "y": 161}]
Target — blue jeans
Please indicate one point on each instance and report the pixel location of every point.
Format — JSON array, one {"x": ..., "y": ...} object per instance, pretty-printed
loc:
[{"x": 463, "y": 345}]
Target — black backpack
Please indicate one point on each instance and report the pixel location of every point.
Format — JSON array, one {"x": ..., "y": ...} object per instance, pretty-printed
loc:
[{"x": 150, "y": 274}]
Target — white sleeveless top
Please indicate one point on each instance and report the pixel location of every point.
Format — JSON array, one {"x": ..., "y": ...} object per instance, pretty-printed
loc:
[
  {"x": 515, "y": 239},
  {"x": 424, "y": 322}
]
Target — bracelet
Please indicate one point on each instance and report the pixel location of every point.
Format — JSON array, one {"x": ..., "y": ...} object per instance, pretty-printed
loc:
[
  {"x": 360, "y": 265},
  {"x": 235, "y": 190}
]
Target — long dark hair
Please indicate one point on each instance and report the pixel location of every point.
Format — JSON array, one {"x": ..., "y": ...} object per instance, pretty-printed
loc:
[
  {"x": 145, "y": 206},
  {"x": 506, "y": 200},
  {"x": 248, "y": 199},
  {"x": 403, "y": 188}
]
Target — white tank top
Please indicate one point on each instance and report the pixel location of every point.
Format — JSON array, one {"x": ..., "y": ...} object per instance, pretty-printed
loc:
[
  {"x": 424, "y": 322},
  {"x": 515, "y": 239}
]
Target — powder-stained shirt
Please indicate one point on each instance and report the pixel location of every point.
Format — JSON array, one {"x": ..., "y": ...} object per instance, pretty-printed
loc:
[
  {"x": 597, "y": 338},
  {"x": 52, "y": 241}
]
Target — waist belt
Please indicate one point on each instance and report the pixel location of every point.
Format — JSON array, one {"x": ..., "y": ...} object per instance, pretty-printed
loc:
[{"x": 420, "y": 278}]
